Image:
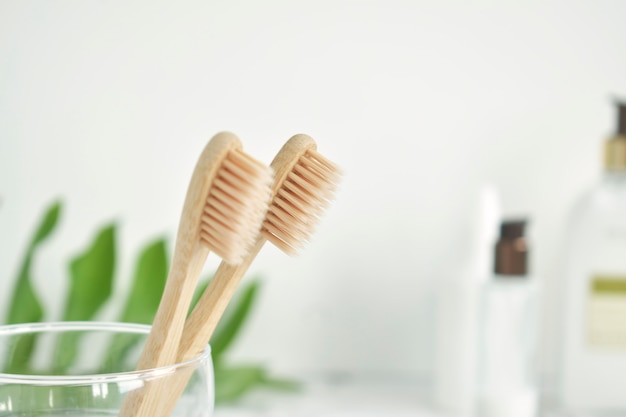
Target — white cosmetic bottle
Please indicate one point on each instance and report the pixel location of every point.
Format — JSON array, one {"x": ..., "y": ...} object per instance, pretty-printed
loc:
[
  {"x": 457, "y": 312},
  {"x": 507, "y": 339},
  {"x": 593, "y": 351}
]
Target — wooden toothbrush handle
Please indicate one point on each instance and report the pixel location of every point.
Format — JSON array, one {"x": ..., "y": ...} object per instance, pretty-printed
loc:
[
  {"x": 161, "y": 346},
  {"x": 205, "y": 316},
  {"x": 202, "y": 322}
]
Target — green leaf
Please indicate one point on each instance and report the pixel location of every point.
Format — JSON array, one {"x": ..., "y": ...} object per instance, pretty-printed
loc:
[
  {"x": 281, "y": 384},
  {"x": 25, "y": 305},
  {"x": 233, "y": 382},
  {"x": 49, "y": 222},
  {"x": 91, "y": 277},
  {"x": 142, "y": 301},
  {"x": 18, "y": 358},
  {"x": 91, "y": 283},
  {"x": 233, "y": 319},
  {"x": 148, "y": 284}
]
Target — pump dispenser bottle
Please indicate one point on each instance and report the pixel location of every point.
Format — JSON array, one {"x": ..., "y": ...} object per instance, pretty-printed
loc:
[
  {"x": 593, "y": 351},
  {"x": 507, "y": 337}
]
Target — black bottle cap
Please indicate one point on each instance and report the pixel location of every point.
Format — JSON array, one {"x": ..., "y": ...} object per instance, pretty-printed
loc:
[
  {"x": 511, "y": 250},
  {"x": 621, "y": 118}
]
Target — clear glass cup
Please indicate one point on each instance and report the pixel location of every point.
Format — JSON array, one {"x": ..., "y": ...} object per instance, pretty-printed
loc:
[{"x": 86, "y": 369}]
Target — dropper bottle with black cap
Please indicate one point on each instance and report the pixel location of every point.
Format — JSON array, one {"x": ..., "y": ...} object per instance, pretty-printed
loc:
[
  {"x": 511, "y": 251},
  {"x": 507, "y": 384},
  {"x": 593, "y": 287}
]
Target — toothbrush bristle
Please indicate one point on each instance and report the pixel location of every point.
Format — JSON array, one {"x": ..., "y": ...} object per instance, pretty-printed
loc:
[
  {"x": 300, "y": 201},
  {"x": 236, "y": 206}
]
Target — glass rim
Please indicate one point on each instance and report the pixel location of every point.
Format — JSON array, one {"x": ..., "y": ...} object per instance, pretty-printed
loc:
[{"x": 90, "y": 379}]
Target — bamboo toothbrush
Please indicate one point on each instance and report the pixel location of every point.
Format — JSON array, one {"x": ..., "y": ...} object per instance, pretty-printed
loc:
[
  {"x": 304, "y": 184},
  {"x": 224, "y": 208}
]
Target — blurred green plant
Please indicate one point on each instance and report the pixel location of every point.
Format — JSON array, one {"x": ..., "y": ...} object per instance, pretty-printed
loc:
[{"x": 92, "y": 276}]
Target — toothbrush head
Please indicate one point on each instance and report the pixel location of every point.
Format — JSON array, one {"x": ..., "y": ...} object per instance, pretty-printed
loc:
[
  {"x": 230, "y": 199},
  {"x": 305, "y": 184}
]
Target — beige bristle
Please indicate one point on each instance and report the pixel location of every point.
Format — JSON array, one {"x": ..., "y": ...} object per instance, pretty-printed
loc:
[
  {"x": 300, "y": 201},
  {"x": 236, "y": 206}
]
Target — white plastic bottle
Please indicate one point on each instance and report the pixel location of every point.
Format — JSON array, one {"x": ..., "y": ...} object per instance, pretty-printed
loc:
[
  {"x": 507, "y": 340},
  {"x": 593, "y": 351},
  {"x": 457, "y": 312}
]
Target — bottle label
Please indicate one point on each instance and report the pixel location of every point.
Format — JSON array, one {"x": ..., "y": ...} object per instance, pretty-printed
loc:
[{"x": 606, "y": 325}]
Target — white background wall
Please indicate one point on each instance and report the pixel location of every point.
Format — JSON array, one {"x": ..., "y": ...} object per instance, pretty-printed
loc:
[{"x": 107, "y": 105}]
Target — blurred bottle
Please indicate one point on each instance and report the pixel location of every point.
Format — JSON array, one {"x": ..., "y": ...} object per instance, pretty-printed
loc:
[
  {"x": 457, "y": 311},
  {"x": 593, "y": 371},
  {"x": 507, "y": 338}
]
